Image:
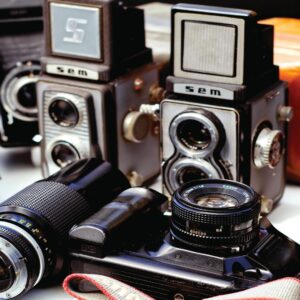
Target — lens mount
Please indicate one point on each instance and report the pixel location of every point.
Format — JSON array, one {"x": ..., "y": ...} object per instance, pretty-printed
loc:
[
  {"x": 219, "y": 216},
  {"x": 18, "y": 91},
  {"x": 184, "y": 170},
  {"x": 196, "y": 133}
]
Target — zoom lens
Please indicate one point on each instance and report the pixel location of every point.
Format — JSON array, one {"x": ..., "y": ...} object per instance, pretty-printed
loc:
[
  {"x": 216, "y": 216},
  {"x": 63, "y": 154},
  {"x": 64, "y": 113},
  {"x": 194, "y": 134},
  {"x": 34, "y": 223}
]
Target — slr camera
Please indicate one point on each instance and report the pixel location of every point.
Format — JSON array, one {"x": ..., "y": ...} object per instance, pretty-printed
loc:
[
  {"x": 212, "y": 245},
  {"x": 226, "y": 109},
  {"x": 21, "y": 46},
  {"x": 95, "y": 93}
]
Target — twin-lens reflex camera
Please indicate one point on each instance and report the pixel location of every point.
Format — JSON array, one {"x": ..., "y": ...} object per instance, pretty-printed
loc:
[
  {"x": 94, "y": 95},
  {"x": 226, "y": 109},
  {"x": 21, "y": 46}
]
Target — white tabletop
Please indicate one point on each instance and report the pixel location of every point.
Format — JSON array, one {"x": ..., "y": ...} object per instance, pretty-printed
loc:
[{"x": 17, "y": 172}]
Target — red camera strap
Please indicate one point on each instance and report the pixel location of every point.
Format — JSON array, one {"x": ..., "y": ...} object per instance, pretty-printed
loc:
[{"x": 111, "y": 289}]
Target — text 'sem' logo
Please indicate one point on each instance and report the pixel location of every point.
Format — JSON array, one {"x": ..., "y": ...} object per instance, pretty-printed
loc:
[{"x": 78, "y": 33}]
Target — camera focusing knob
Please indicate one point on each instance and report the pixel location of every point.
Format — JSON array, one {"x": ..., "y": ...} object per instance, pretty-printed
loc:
[
  {"x": 136, "y": 126},
  {"x": 268, "y": 148}
]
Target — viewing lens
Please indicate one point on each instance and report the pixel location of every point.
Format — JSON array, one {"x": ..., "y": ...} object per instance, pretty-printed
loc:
[
  {"x": 194, "y": 135},
  {"x": 64, "y": 113}
]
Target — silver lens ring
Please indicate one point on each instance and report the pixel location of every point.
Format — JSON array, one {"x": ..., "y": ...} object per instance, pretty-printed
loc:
[
  {"x": 33, "y": 243},
  {"x": 19, "y": 77},
  {"x": 183, "y": 164},
  {"x": 203, "y": 120}
]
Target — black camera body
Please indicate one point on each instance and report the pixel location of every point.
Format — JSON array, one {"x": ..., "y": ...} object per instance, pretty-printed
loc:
[
  {"x": 154, "y": 263},
  {"x": 21, "y": 45},
  {"x": 213, "y": 244}
]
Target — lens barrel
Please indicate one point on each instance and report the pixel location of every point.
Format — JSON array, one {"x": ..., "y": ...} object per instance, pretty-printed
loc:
[
  {"x": 216, "y": 216},
  {"x": 34, "y": 223}
]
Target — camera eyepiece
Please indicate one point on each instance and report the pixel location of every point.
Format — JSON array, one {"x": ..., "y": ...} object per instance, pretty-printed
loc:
[
  {"x": 219, "y": 216},
  {"x": 34, "y": 223}
]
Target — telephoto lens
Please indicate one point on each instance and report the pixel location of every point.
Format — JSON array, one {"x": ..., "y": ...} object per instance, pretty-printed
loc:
[
  {"x": 216, "y": 216},
  {"x": 34, "y": 223}
]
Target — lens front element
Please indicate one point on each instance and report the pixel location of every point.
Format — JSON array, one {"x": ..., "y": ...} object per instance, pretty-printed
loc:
[{"x": 64, "y": 113}]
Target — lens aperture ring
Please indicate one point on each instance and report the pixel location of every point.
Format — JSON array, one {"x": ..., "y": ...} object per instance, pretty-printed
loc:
[
  {"x": 208, "y": 217},
  {"x": 209, "y": 240}
]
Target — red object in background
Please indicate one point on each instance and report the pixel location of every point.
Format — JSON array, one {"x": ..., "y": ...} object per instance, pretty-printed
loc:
[{"x": 287, "y": 56}]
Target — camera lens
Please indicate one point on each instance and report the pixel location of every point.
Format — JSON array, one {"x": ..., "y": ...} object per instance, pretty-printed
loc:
[
  {"x": 63, "y": 154},
  {"x": 18, "y": 91},
  {"x": 34, "y": 223},
  {"x": 64, "y": 113},
  {"x": 189, "y": 174},
  {"x": 197, "y": 133},
  {"x": 27, "y": 95},
  {"x": 216, "y": 216},
  {"x": 185, "y": 170},
  {"x": 194, "y": 134}
]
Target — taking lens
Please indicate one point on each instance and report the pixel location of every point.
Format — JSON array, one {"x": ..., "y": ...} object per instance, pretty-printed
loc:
[
  {"x": 63, "y": 154},
  {"x": 190, "y": 173},
  {"x": 194, "y": 134},
  {"x": 27, "y": 95},
  {"x": 216, "y": 216},
  {"x": 34, "y": 223},
  {"x": 64, "y": 113}
]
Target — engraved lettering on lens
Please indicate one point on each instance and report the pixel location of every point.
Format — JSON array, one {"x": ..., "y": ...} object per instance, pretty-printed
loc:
[{"x": 78, "y": 33}]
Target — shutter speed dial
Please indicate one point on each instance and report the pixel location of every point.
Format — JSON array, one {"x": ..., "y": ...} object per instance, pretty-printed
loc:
[{"x": 269, "y": 147}]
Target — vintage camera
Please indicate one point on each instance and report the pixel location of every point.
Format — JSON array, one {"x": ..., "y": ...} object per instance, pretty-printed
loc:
[
  {"x": 215, "y": 245},
  {"x": 102, "y": 42},
  {"x": 225, "y": 111},
  {"x": 34, "y": 223},
  {"x": 21, "y": 46}
]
